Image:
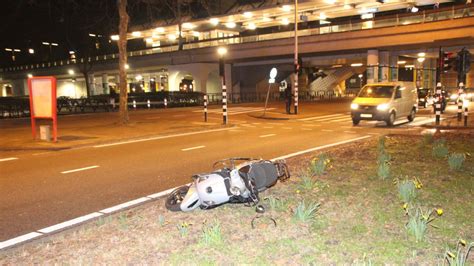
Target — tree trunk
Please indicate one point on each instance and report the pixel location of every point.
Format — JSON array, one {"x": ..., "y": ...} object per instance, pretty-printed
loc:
[
  {"x": 88, "y": 86},
  {"x": 122, "y": 43}
]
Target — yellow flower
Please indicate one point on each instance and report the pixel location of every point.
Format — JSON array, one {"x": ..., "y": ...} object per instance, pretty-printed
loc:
[
  {"x": 297, "y": 191},
  {"x": 405, "y": 206},
  {"x": 451, "y": 254},
  {"x": 462, "y": 241},
  {"x": 418, "y": 186},
  {"x": 439, "y": 211}
]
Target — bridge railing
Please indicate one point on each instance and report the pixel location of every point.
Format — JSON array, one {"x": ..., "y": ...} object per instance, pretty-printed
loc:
[{"x": 453, "y": 12}]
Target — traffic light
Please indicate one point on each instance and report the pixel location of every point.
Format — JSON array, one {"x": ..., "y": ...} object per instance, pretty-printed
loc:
[{"x": 448, "y": 62}]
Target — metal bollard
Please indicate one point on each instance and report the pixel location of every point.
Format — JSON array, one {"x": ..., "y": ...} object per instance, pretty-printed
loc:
[
  {"x": 166, "y": 103},
  {"x": 205, "y": 107},
  {"x": 134, "y": 104},
  {"x": 438, "y": 104},
  {"x": 460, "y": 100},
  {"x": 148, "y": 104},
  {"x": 224, "y": 104},
  {"x": 465, "y": 115}
]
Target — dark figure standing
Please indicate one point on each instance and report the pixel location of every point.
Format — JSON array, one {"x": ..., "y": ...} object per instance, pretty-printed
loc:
[{"x": 288, "y": 97}]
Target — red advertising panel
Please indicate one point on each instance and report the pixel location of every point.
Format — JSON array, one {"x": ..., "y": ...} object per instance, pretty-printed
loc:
[{"x": 43, "y": 101}]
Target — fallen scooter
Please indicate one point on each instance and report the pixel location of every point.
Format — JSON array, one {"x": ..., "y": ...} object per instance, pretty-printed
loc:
[{"x": 231, "y": 183}]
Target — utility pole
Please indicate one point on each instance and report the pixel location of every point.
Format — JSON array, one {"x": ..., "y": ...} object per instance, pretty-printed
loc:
[{"x": 296, "y": 58}]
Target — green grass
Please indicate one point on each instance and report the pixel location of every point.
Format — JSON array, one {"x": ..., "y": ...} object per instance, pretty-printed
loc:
[{"x": 360, "y": 221}]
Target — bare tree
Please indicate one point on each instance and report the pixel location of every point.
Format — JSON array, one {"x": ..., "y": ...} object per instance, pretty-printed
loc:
[{"x": 122, "y": 44}]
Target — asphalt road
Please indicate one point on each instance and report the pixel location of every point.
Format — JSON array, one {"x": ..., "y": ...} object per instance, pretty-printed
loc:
[{"x": 48, "y": 188}]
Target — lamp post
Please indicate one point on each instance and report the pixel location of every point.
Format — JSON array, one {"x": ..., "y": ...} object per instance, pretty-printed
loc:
[
  {"x": 13, "y": 50},
  {"x": 296, "y": 58},
  {"x": 222, "y": 51}
]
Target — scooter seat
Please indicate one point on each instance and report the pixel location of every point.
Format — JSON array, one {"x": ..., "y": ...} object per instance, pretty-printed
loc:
[{"x": 263, "y": 174}]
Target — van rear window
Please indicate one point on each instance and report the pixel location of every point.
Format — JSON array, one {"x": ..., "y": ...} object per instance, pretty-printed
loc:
[{"x": 376, "y": 92}]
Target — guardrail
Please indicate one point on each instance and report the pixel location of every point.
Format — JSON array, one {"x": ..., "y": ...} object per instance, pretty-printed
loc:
[
  {"x": 453, "y": 12},
  {"x": 12, "y": 107}
]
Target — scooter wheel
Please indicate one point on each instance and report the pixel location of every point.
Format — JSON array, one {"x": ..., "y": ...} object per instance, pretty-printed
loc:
[{"x": 174, "y": 199}]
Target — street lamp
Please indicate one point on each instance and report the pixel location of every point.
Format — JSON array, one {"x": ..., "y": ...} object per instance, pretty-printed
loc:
[
  {"x": 222, "y": 51},
  {"x": 13, "y": 50},
  {"x": 50, "y": 44},
  {"x": 296, "y": 58}
]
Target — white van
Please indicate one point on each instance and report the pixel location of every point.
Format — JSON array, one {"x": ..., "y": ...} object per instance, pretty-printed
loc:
[{"x": 385, "y": 102}]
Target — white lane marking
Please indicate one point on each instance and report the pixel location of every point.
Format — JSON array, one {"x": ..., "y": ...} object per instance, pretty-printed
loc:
[
  {"x": 8, "y": 159},
  {"x": 423, "y": 121},
  {"x": 267, "y": 127},
  {"x": 351, "y": 132},
  {"x": 153, "y": 117},
  {"x": 268, "y": 135},
  {"x": 178, "y": 115},
  {"x": 193, "y": 148},
  {"x": 256, "y": 123},
  {"x": 373, "y": 133},
  {"x": 19, "y": 239},
  {"x": 287, "y": 127},
  {"x": 327, "y": 130},
  {"x": 340, "y": 120},
  {"x": 124, "y": 205},
  {"x": 319, "y": 148},
  {"x": 69, "y": 223},
  {"x": 162, "y": 193},
  {"x": 41, "y": 153},
  {"x": 235, "y": 110},
  {"x": 318, "y": 117},
  {"x": 275, "y": 124},
  {"x": 307, "y": 129},
  {"x": 79, "y": 169},
  {"x": 236, "y": 130},
  {"x": 161, "y": 137}
]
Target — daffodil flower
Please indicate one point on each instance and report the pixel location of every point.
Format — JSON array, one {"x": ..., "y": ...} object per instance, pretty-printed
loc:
[
  {"x": 405, "y": 206},
  {"x": 451, "y": 254},
  {"x": 462, "y": 241},
  {"x": 439, "y": 212}
]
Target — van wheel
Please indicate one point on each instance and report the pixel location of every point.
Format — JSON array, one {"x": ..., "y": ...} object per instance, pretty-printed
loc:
[
  {"x": 391, "y": 119},
  {"x": 411, "y": 117},
  {"x": 355, "y": 122}
]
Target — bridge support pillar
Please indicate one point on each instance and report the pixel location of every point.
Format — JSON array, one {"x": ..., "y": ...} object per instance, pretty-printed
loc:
[
  {"x": 372, "y": 66},
  {"x": 384, "y": 66},
  {"x": 105, "y": 84},
  {"x": 393, "y": 62}
]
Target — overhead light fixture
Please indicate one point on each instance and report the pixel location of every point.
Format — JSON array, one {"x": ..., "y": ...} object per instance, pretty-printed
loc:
[
  {"x": 360, "y": 75},
  {"x": 8, "y": 49},
  {"x": 114, "y": 37},
  {"x": 285, "y": 21},
  {"x": 214, "y": 21},
  {"x": 29, "y": 75},
  {"x": 45, "y": 43},
  {"x": 409, "y": 66},
  {"x": 356, "y": 64},
  {"x": 248, "y": 14},
  {"x": 70, "y": 72},
  {"x": 72, "y": 52},
  {"x": 421, "y": 54},
  {"x": 127, "y": 66},
  {"x": 188, "y": 25},
  {"x": 322, "y": 16},
  {"x": 149, "y": 40},
  {"x": 136, "y": 34},
  {"x": 230, "y": 25},
  {"x": 330, "y": 1},
  {"x": 138, "y": 77},
  {"x": 54, "y": 44},
  {"x": 336, "y": 66},
  {"x": 251, "y": 26},
  {"x": 267, "y": 19},
  {"x": 420, "y": 59},
  {"x": 414, "y": 9},
  {"x": 348, "y": 6},
  {"x": 368, "y": 10},
  {"x": 367, "y": 16},
  {"x": 196, "y": 33},
  {"x": 92, "y": 35},
  {"x": 401, "y": 62},
  {"x": 286, "y": 8},
  {"x": 31, "y": 51},
  {"x": 171, "y": 37},
  {"x": 160, "y": 30}
]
